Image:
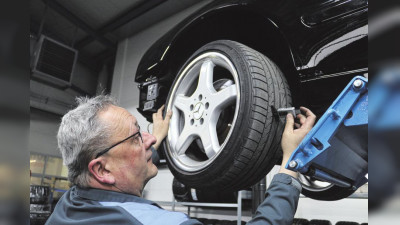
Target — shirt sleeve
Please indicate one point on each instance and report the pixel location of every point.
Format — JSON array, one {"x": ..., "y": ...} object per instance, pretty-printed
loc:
[
  {"x": 280, "y": 203},
  {"x": 154, "y": 156}
]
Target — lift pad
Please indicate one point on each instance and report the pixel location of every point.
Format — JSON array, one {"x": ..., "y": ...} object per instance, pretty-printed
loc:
[{"x": 336, "y": 148}]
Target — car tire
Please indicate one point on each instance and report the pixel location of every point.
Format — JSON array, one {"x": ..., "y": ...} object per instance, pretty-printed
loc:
[
  {"x": 235, "y": 87},
  {"x": 212, "y": 196},
  {"x": 346, "y": 223},
  {"x": 320, "y": 222},
  {"x": 299, "y": 221},
  {"x": 180, "y": 191},
  {"x": 185, "y": 194},
  {"x": 323, "y": 191}
]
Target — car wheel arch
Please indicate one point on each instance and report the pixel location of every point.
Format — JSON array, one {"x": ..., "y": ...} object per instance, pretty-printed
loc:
[{"x": 271, "y": 41}]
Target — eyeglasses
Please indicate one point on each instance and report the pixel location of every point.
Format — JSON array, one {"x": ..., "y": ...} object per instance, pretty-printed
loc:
[{"x": 112, "y": 146}]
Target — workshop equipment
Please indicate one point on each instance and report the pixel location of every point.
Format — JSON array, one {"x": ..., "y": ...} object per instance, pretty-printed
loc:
[
  {"x": 336, "y": 148},
  {"x": 40, "y": 207}
]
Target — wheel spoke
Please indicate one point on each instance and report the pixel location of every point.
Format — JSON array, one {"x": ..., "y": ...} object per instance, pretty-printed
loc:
[
  {"x": 206, "y": 76},
  {"x": 209, "y": 139},
  {"x": 224, "y": 97},
  {"x": 182, "y": 102},
  {"x": 184, "y": 140}
]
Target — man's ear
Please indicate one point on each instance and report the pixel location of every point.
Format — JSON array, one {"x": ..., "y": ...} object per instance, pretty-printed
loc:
[{"x": 97, "y": 168}]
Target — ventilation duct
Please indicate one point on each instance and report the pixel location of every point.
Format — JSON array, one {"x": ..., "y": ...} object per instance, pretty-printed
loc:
[{"x": 53, "y": 61}]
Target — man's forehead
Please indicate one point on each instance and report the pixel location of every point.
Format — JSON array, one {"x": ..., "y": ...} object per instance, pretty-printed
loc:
[{"x": 119, "y": 115}]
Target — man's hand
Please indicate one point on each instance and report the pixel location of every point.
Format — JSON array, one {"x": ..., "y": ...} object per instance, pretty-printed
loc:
[
  {"x": 291, "y": 137},
  {"x": 160, "y": 125}
]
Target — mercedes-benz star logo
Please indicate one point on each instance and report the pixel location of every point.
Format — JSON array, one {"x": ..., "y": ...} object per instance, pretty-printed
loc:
[{"x": 198, "y": 111}]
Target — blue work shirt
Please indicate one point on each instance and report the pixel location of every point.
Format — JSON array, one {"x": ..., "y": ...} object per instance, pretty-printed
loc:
[{"x": 96, "y": 206}]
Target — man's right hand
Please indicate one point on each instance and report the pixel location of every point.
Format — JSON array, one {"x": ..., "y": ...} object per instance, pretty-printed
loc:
[{"x": 291, "y": 137}]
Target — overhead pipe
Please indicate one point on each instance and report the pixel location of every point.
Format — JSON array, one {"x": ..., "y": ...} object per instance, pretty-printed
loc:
[{"x": 42, "y": 22}]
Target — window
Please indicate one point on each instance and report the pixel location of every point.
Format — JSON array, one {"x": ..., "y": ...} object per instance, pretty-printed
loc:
[
  {"x": 37, "y": 163},
  {"x": 54, "y": 166},
  {"x": 49, "y": 170}
]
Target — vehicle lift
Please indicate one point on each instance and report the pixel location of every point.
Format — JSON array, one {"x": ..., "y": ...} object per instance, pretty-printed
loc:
[{"x": 336, "y": 148}]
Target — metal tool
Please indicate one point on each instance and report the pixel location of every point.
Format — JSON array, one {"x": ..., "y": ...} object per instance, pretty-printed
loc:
[{"x": 282, "y": 112}]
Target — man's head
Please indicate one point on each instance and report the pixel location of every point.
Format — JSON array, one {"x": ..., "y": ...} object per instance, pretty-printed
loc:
[{"x": 97, "y": 124}]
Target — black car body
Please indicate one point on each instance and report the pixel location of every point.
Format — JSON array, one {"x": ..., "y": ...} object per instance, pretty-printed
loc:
[
  {"x": 318, "y": 45},
  {"x": 226, "y": 67}
]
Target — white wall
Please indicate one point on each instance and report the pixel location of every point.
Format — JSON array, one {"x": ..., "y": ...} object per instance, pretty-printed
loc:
[{"x": 159, "y": 188}]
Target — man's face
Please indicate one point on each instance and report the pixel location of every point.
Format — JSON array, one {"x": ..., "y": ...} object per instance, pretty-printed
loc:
[{"x": 129, "y": 162}]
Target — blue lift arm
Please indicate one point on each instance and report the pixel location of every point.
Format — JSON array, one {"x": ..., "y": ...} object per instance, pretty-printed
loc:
[{"x": 336, "y": 148}]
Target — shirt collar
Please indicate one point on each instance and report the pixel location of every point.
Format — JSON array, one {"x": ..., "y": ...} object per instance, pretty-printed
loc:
[{"x": 108, "y": 196}]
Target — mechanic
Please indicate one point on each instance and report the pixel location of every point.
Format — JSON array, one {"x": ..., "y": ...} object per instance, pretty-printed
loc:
[{"x": 109, "y": 162}]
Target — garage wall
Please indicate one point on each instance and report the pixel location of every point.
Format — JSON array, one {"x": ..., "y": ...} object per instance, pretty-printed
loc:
[
  {"x": 45, "y": 98},
  {"x": 42, "y": 132},
  {"x": 58, "y": 100},
  {"x": 125, "y": 90}
]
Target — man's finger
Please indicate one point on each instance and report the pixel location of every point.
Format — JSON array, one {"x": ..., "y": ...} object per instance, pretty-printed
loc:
[
  {"x": 309, "y": 123},
  {"x": 307, "y": 111},
  {"x": 154, "y": 116},
  {"x": 160, "y": 109},
  {"x": 302, "y": 118},
  {"x": 289, "y": 123},
  {"x": 169, "y": 114},
  {"x": 297, "y": 125}
]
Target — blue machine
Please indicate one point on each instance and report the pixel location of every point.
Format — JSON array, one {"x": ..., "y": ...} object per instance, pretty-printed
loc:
[{"x": 336, "y": 149}]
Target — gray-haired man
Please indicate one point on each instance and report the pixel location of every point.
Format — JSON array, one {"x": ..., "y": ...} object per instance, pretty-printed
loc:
[{"x": 109, "y": 162}]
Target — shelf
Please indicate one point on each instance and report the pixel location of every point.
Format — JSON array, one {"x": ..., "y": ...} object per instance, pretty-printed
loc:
[
  {"x": 49, "y": 176},
  {"x": 237, "y": 205},
  {"x": 59, "y": 190}
]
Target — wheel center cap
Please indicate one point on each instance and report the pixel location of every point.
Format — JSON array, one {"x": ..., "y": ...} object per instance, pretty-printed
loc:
[{"x": 198, "y": 111}]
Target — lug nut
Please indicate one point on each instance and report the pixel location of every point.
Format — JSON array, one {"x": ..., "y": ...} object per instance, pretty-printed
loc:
[
  {"x": 293, "y": 164},
  {"x": 358, "y": 83}
]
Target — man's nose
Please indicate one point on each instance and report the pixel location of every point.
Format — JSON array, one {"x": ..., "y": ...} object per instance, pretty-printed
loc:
[{"x": 148, "y": 139}]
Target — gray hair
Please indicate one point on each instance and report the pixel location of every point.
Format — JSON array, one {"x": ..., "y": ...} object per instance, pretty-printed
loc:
[{"x": 82, "y": 135}]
